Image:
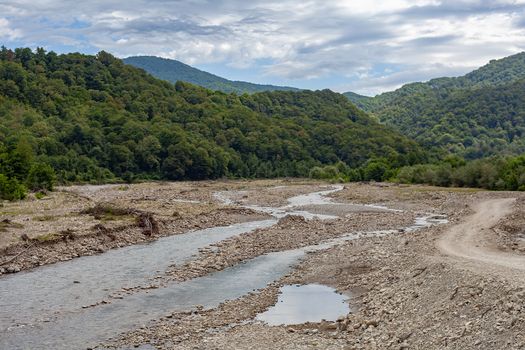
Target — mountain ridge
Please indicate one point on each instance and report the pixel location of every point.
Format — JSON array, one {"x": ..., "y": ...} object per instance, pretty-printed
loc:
[
  {"x": 174, "y": 70},
  {"x": 479, "y": 114}
]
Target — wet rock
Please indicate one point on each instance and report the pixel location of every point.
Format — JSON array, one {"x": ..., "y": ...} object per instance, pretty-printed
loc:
[{"x": 13, "y": 269}]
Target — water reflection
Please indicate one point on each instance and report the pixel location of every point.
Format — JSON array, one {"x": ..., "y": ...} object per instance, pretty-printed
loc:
[{"x": 305, "y": 303}]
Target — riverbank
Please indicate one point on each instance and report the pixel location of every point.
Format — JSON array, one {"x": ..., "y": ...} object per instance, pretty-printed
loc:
[
  {"x": 85, "y": 220},
  {"x": 406, "y": 294},
  {"x": 203, "y": 289}
]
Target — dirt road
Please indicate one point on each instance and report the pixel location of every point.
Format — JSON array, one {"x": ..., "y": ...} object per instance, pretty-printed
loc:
[{"x": 473, "y": 242}]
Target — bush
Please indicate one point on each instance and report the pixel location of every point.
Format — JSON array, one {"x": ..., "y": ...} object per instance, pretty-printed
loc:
[
  {"x": 495, "y": 173},
  {"x": 11, "y": 189},
  {"x": 41, "y": 177},
  {"x": 375, "y": 170},
  {"x": 329, "y": 172},
  {"x": 316, "y": 173}
]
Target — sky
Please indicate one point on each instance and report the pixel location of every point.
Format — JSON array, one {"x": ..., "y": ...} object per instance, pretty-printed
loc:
[{"x": 365, "y": 46}]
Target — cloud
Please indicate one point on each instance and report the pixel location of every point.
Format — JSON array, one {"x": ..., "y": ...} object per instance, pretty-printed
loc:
[
  {"x": 388, "y": 82},
  {"x": 6, "y": 30},
  {"x": 461, "y": 9},
  {"x": 298, "y": 41}
]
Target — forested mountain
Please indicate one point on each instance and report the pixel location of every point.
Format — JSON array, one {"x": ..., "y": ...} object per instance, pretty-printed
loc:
[
  {"x": 476, "y": 115},
  {"x": 355, "y": 98},
  {"x": 94, "y": 118},
  {"x": 173, "y": 71}
]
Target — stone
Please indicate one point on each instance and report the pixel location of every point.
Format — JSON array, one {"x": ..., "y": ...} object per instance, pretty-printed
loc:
[{"x": 13, "y": 269}]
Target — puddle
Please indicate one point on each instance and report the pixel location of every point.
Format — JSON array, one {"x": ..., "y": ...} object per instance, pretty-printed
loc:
[
  {"x": 382, "y": 208},
  {"x": 427, "y": 221},
  {"x": 298, "y": 304}
]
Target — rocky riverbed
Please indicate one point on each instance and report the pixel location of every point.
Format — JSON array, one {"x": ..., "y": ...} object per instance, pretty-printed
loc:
[{"x": 406, "y": 293}]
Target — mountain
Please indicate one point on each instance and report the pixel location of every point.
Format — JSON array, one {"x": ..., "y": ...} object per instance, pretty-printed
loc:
[
  {"x": 94, "y": 118},
  {"x": 355, "y": 98},
  {"x": 474, "y": 116},
  {"x": 173, "y": 71}
]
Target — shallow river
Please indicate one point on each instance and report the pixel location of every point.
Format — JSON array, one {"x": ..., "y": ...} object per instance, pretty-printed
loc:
[{"x": 42, "y": 308}]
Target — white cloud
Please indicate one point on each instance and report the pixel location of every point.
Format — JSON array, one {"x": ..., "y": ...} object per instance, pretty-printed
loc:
[
  {"x": 411, "y": 39},
  {"x": 7, "y": 32}
]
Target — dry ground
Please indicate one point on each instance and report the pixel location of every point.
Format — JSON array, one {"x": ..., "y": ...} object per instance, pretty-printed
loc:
[
  {"x": 455, "y": 286},
  {"x": 410, "y": 290}
]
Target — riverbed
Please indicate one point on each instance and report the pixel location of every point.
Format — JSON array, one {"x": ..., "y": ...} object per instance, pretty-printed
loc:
[{"x": 73, "y": 304}]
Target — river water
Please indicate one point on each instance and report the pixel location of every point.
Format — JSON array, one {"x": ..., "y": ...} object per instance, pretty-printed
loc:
[{"x": 42, "y": 308}]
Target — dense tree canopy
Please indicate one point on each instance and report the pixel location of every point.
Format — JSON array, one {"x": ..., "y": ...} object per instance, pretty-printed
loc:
[
  {"x": 474, "y": 116},
  {"x": 494, "y": 173},
  {"x": 93, "y": 118}
]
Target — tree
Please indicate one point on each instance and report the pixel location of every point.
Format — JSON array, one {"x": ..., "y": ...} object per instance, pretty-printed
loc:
[
  {"x": 41, "y": 177},
  {"x": 11, "y": 189},
  {"x": 375, "y": 170}
]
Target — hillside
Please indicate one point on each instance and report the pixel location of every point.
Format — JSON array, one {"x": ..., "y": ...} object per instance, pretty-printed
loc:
[
  {"x": 93, "y": 118},
  {"x": 355, "y": 98},
  {"x": 173, "y": 71},
  {"x": 476, "y": 115}
]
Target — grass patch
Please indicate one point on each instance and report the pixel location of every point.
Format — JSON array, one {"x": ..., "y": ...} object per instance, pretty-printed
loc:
[
  {"x": 45, "y": 218},
  {"x": 108, "y": 212},
  {"x": 40, "y": 195},
  {"x": 52, "y": 236},
  {"x": 56, "y": 236},
  {"x": 6, "y": 224}
]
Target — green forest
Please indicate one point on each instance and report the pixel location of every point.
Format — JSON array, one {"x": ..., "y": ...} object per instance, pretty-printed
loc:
[
  {"x": 493, "y": 173},
  {"x": 474, "y": 116},
  {"x": 77, "y": 118}
]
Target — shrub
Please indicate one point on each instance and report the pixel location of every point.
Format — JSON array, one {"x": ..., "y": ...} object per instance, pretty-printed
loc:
[
  {"x": 11, "y": 189},
  {"x": 41, "y": 177},
  {"x": 375, "y": 170}
]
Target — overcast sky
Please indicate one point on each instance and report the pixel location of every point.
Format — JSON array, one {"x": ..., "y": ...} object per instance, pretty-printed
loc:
[{"x": 366, "y": 46}]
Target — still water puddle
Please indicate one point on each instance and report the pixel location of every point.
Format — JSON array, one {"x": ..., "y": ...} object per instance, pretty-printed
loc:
[
  {"x": 427, "y": 221},
  {"x": 298, "y": 304}
]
